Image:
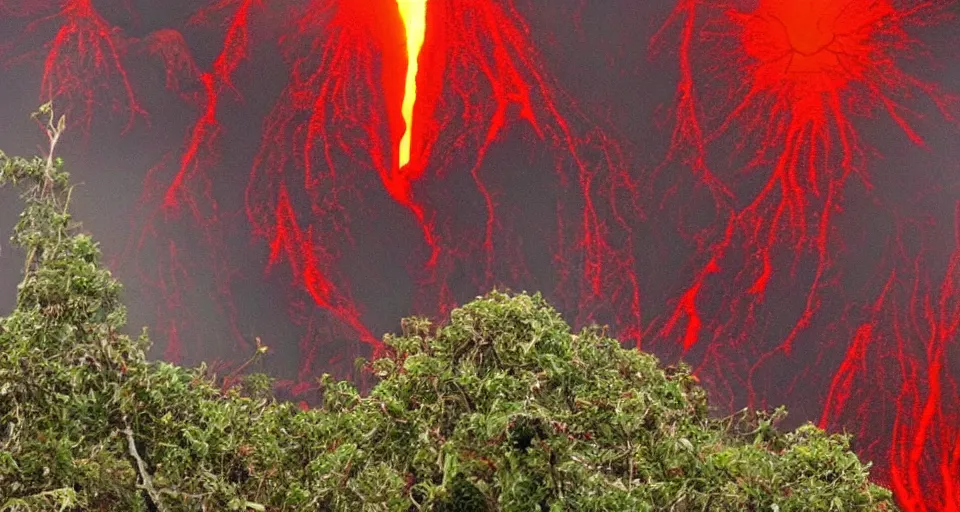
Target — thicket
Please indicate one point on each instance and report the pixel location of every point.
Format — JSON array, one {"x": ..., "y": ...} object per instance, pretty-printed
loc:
[{"x": 502, "y": 407}]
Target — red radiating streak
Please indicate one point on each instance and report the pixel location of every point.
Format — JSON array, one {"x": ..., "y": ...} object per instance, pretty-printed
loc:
[
  {"x": 485, "y": 43},
  {"x": 205, "y": 131},
  {"x": 330, "y": 49},
  {"x": 85, "y": 52},
  {"x": 925, "y": 424},
  {"x": 318, "y": 85},
  {"x": 299, "y": 250},
  {"x": 84, "y": 61},
  {"x": 476, "y": 72},
  {"x": 190, "y": 191},
  {"x": 796, "y": 73}
]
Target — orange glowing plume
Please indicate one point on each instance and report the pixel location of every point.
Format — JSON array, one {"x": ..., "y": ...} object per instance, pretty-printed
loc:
[{"x": 414, "y": 14}]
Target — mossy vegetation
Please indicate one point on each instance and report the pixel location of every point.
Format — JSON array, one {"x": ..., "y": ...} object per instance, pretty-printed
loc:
[{"x": 501, "y": 407}]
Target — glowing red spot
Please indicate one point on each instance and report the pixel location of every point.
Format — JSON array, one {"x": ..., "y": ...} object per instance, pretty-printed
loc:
[{"x": 806, "y": 48}]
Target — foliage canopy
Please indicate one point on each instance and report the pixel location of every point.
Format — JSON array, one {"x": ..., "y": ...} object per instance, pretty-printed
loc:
[{"x": 500, "y": 408}]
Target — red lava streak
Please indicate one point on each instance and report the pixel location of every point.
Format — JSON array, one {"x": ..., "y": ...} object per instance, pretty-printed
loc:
[
  {"x": 340, "y": 121},
  {"x": 85, "y": 59}
]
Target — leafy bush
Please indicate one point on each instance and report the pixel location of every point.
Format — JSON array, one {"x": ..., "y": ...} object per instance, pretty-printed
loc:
[{"x": 500, "y": 408}]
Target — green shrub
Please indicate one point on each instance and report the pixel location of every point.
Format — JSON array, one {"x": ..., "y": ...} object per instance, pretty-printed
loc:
[{"x": 500, "y": 408}]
